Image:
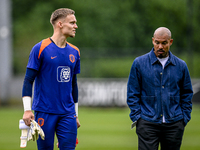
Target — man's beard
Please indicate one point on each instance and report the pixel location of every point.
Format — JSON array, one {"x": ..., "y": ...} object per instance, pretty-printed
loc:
[{"x": 162, "y": 55}]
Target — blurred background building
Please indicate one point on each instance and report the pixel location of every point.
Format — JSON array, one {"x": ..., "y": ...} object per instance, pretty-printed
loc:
[{"x": 5, "y": 50}]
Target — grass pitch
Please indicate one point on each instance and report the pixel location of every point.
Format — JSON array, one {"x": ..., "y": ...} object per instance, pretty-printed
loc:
[{"x": 101, "y": 129}]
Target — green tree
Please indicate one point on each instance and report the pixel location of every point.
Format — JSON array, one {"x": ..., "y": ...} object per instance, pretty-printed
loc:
[{"x": 107, "y": 28}]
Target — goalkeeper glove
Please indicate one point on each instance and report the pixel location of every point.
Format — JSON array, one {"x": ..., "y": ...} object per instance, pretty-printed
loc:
[
  {"x": 24, "y": 133},
  {"x": 29, "y": 133},
  {"x": 35, "y": 131}
]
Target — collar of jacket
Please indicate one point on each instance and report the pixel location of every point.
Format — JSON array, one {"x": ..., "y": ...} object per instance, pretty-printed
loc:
[{"x": 154, "y": 59}]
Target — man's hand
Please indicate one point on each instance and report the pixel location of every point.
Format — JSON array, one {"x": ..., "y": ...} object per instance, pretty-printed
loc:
[
  {"x": 133, "y": 124},
  {"x": 78, "y": 123},
  {"x": 28, "y": 116}
]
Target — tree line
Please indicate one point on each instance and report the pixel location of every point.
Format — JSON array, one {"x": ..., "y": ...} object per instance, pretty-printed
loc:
[{"x": 108, "y": 27}]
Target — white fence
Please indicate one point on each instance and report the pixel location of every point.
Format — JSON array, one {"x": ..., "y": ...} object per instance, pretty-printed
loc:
[
  {"x": 92, "y": 92},
  {"x": 102, "y": 92},
  {"x": 98, "y": 92}
]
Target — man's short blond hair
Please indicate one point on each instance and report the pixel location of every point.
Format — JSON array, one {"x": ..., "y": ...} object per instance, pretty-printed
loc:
[{"x": 60, "y": 13}]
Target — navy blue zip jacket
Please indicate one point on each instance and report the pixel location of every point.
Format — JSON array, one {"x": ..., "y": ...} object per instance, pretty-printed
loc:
[{"x": 153, "y": 91}]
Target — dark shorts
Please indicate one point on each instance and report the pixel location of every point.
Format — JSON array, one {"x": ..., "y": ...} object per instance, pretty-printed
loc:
[{"x": 64, "y": 126}]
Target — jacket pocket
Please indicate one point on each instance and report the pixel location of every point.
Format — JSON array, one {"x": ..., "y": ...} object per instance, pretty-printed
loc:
[
  {"x": 174, "y": 107},
  {"x": 148, "y": 105}
]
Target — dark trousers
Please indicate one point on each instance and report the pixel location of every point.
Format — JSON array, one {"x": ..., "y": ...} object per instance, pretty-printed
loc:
[{"x": 169, "y": 135}]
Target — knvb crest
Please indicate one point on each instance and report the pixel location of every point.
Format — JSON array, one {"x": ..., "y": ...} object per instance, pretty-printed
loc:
[
  {"x": 72, "y": 58},
  {"x": 41, "y": 122},
  {"x": 63, "y": 74}
]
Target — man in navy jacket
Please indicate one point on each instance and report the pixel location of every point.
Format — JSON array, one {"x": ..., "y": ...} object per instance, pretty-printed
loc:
[{"x": 159, "y": 94}]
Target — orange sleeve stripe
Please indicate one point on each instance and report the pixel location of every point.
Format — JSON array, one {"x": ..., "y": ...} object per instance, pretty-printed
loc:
[
  {"x": 44, "y": 44},
  {"x": 76, "y": 48}
]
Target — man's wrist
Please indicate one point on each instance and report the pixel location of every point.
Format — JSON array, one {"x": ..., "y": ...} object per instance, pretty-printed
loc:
[
  {"x": 76, "y": 109},
  {"x": 26, "y": 103}
]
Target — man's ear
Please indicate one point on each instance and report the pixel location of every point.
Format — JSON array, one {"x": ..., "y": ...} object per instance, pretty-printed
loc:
[
  {"x": 152, "y": 39},
  {"x": 171, "y": 41},
  {"x": 59, "y": 24}
]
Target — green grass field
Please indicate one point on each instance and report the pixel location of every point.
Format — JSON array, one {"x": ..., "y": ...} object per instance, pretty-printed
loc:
[{"x": 101, "y": 129}]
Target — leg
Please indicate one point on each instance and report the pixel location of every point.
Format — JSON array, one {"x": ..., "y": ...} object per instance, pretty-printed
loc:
[
  {"x": 47, "y": 123},
  {"x": 148, "y": 135},
  {"x": 66, "y": 132},
  {"x": 172, "y": 135}
]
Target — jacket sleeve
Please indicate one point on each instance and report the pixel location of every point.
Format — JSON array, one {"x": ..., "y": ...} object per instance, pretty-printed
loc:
[
  {"x": 133, "y": 92},
  {"x": 186, "y": 95}
]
